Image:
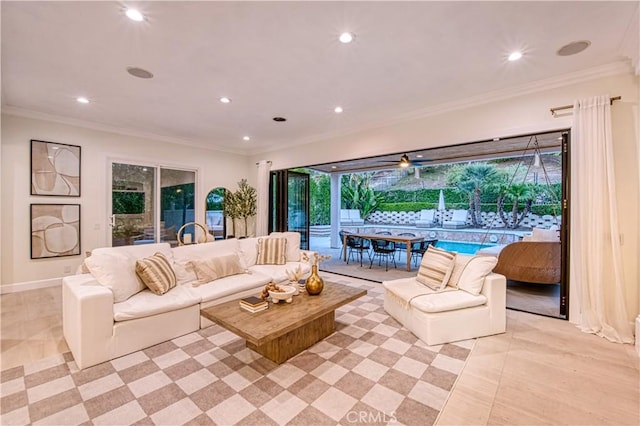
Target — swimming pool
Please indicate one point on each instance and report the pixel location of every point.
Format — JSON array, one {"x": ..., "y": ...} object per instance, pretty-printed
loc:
[{"x": 461, "y": 247}]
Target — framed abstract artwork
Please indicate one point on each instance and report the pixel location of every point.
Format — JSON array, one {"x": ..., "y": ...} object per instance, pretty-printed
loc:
[
  {"x": 55, "y": 230},
  {"x": 55, "y": 169}
]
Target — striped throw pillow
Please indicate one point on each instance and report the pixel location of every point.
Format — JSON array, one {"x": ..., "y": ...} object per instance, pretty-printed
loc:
[
  {"x": 156, "y": 273},
  {"x": 272, "y": 251},
  {"x": 435, "y": 268}
]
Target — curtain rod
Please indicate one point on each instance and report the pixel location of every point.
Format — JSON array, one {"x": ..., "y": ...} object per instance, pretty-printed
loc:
[{"x": 553, "y": 110}]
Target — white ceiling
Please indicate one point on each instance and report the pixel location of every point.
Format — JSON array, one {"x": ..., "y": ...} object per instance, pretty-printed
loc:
[{"x": 284, "y": 59}]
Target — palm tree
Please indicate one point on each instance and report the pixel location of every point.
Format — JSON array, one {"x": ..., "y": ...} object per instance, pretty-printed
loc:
[
  {"x": 515, "y": 193},
  {"x": 472, "y": 179}
]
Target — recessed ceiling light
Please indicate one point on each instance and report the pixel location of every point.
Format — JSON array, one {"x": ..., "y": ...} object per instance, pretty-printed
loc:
[
  {"x": 573, "y": 48},
  {"x": 82, "y": 100},
  {"x": 279, "y": 119},
  {"x": 346, "y": 37},
  {"x": 515, "y": 56},
  {"x": 225, "y": 100},
  {"x": 134, "y": 15},
  {"x": 419, "y": 156},
  {"x": 334, "y": 167},
  {"x": 139, "y": 72},
  {"x": 338, "y": 109},
  {"x": 246, "y": 138}
]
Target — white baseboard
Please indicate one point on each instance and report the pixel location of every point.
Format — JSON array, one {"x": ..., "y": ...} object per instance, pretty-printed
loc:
[{"x": 30, "y": 285}]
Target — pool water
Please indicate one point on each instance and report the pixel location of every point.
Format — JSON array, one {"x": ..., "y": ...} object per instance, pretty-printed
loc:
[{"x": 461, "y": 247}]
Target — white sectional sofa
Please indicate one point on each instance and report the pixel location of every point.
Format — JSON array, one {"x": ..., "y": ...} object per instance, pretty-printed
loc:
[
  {"x": 109, "y": 312},
  {"x": 472, "y": 304}
]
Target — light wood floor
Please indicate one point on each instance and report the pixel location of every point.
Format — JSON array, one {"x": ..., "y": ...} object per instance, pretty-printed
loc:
[{"x": 541, "y": 371}]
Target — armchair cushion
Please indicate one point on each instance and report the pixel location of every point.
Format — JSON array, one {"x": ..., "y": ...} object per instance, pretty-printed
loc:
[
  {"x": 447, "y": 301},
  {"x": 435, "y": 268},
  {"x": 474, "y": 273}
]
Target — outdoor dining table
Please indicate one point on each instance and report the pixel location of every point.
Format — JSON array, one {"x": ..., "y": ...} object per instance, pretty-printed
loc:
[{"x": 406, "y": 239}]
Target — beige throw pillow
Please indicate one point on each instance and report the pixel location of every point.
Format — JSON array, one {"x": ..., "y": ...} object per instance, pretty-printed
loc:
[
  {"x": 435, "y": 268},
  {"x": 156, "y": 273},
  {"x": 272, "y": 251},
  {"x": 214, "y": 268}
]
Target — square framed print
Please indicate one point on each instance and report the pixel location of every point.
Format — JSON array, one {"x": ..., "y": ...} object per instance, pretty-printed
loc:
[
  {"x": 55, "y": 169},
  {"x": 55, "y": 230}
]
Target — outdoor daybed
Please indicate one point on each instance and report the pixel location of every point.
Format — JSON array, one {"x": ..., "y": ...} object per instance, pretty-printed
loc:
[{"x": 111, "y": 312}]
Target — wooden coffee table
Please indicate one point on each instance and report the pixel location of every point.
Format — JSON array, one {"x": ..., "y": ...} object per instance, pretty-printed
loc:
[{"x": 285, "y": 329}]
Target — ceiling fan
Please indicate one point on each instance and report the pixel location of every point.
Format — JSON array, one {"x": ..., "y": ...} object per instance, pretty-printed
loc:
[{"x": 406, "y": 162}]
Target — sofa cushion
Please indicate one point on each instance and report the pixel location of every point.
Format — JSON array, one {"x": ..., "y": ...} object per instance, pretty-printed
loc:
[
  {"x": 156, "y": 273},
  {"x": 272, "y": 251},
  {"x": 248, "y": 252},
  {"x": 213, "y": 268},
  {"x": 278, "y": 273},
  {"x": 435, "y": 268},
  {"x": 448, "y": 300},
  {"x": 182, "y": 255},
  {"x": 115, "y": 267},
  {"x": 146, "y": 304},
  {"x": 229, "y": 285},
  {"x": 473, "y": 275},
  {"x": 293, "y": 244}
]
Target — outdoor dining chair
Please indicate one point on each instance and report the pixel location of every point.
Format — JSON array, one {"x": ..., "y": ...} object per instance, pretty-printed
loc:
[{"x": 383, "y": 249}]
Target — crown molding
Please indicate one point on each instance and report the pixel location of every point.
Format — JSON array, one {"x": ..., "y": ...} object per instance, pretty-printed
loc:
[
  {"x": 607, "y": 70},
  {"x": 630, "y": 44},
  {"x": 37, "y": 115}
]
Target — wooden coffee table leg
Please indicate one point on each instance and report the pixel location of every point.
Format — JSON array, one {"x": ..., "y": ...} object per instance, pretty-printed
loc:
[{"x": 284, "y": 347}]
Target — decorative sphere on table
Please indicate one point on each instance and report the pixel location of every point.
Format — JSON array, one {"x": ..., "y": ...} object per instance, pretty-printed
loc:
[{"x": 315, "y": 283}]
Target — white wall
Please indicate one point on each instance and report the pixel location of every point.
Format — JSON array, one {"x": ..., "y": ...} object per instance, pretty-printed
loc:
[
  {"x": 214, "y": 169},
  {"x": 522, "y": 114}
]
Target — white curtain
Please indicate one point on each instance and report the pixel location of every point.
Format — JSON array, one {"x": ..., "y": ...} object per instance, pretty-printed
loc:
[
  {"x": 262, "y": 208},
  {"x": 595, "y": 259}
]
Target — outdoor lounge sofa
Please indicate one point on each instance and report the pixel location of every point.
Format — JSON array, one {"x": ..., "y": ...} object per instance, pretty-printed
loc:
[
  {"x": 426, "y": 219},
  {"x": 472, "y": 304},
  {"x": 458, "y": 220},
  {"x": 109, "y": 312}
]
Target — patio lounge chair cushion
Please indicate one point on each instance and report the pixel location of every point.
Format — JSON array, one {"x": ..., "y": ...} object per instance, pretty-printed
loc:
[
  {"x": 458, "y": 220},
  {"x": 427, "y": 217}
]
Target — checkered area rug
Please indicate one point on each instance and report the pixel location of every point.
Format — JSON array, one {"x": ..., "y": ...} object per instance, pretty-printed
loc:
[{"x": 370, "y": 371}]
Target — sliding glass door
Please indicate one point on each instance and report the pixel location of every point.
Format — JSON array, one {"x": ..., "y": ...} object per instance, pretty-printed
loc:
[{"x": 150, "y": 203}]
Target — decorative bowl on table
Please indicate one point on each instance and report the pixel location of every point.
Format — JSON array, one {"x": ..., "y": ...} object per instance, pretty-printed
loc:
[{"x": 286, "y": 293}]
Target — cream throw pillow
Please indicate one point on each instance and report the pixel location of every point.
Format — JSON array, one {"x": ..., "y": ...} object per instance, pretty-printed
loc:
[
  {"x": 472, "y": 277},
  {"x": 459, "y": 265},
  {"x": 156, "y": 273},
  {"x": 435, "y": 268},
  {"x": 272, "y": 251},
  {"x": 213, "y": 268}
]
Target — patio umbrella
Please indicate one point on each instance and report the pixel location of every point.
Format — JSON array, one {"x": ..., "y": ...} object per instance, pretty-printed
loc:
[{"x": 441, "y": 206}]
